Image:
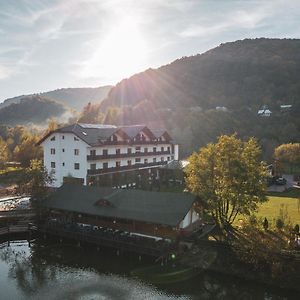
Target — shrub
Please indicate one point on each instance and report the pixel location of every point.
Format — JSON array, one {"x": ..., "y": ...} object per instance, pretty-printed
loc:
[
  {"x": 279, "y": 223},
  {"x": 252, "y": 220}
]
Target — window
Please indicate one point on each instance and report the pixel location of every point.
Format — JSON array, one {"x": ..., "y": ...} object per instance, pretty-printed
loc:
[
  {"x": 63, "y": 149},
  {"x": 105, "y": 165},
  {"x": 137, "y": 160},
  {"x": 129, "y": 150},
  {"x": 53, "y": 164},
  {"x": 168, "y": 149},
  {"x": 63, "y": 164},
  {"x": 162, "y": 159},
  {"x": 146, "y": 150},
  {"x": 104, "y": 151},
  {"x": 154, "y": 149},
  {"x": 93, "y": 166},
  {"x": 92, "y": 152},
  {"x": 76, "y": 151},
  {"x": 52, "y": 139},
  {"x": 76, "y": 166},
  {"x": 114, "y": 138},
  {"x": 52, "y": 150},
  {"x": 162, "y": 149},
  {"x": 172, "y": 157},
  {"x": 63, "y": 137},
  {"x": 76, "y": 139},
  {"x": 129, "y": 162},
  {"x": 118, "y": 164},
  {"x": 118, "y": 151},
  {"x": 137, "y": 149},
  {"x": 145, "y": 160},
  {"x": 168, "y": 158},
  {"x": 154, "y": 159}
]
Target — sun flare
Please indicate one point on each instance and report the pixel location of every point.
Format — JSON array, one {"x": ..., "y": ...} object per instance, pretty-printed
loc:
[{"x": 121, "y": 53}]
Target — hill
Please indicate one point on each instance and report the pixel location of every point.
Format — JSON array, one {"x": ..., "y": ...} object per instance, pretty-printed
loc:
[
  {"x": 33, "y": 110},
  {"x": 240, "y": 77},
  {"x": 75, "y": 98},
  {"x": 242, "y": 73}
]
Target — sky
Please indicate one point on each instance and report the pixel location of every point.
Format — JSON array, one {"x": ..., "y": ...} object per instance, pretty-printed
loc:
[{"x": 50, "y": 44}]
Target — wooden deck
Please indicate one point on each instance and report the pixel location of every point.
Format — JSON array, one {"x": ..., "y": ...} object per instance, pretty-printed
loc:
[{"x": 108, "y": 238}]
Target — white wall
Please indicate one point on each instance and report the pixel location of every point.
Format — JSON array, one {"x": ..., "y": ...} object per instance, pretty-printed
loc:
[
  {"x": 190, "y": 218},
  {"x": 67, "y": 157}
]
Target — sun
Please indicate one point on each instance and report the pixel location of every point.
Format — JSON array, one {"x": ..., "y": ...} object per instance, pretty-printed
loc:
[{"x": 120, "y": 53}]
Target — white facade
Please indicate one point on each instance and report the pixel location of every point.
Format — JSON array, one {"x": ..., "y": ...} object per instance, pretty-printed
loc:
[
  {"x": 64, "y": 158},
  {"x": 69, "y": 155},
  {"x": 190, "y": 218}
]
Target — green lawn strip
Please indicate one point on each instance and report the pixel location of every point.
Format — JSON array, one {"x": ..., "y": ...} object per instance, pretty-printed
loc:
[{"x": 290, "y": 193}]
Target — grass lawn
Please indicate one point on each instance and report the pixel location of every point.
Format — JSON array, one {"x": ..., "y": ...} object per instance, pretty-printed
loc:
[
  {"x": 287, "y": 200},
  {"x": 271, "y": 208}
]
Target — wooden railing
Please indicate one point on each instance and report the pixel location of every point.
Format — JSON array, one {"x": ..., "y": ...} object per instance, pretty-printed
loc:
[{"x": 94, "y": 237}]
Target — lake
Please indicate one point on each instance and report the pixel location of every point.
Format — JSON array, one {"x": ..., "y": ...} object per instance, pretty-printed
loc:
[{"x": 52, "y": 270}]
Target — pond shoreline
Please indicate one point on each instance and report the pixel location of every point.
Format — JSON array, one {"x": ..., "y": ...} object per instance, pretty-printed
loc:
[{"x": 228, "y": 263}]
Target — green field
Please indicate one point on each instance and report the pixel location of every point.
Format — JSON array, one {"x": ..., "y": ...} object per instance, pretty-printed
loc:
[{"x": 271, "y": 208}]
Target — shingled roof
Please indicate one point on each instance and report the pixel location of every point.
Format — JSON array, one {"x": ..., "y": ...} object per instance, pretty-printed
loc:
[
  {"x": 95, "y": 134},
  {"x": 145, "y": 206}
]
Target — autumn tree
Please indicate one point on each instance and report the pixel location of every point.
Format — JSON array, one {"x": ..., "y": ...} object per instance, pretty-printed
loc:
[
  {"x": 35, "y": 181},
  {"x": 3, "y": 152},
  {"x": 27, "y": 150},
  {"x": 228, "y": 177},
  {"x": 91, "y": 114},
  {"x": 288, "y": 153}
]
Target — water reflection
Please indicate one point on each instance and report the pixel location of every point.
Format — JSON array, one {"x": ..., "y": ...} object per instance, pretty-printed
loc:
[{"x": 60, "y": 271}]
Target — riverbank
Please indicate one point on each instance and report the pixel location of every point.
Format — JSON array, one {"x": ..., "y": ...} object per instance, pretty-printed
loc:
[{"x": 230, "y": 262}]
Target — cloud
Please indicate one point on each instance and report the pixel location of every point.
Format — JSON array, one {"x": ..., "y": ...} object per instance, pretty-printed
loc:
[
  {"x": 5, "y": 72},
  {"x": 238, "y": 15}
]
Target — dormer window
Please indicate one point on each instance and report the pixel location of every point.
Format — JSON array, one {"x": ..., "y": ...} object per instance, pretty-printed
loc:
[{"x": 114, "y": 138}]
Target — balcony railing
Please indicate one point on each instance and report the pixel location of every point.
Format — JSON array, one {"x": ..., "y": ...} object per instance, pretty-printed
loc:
[
  {"x": 130, "y": 142},
  {"x": 124, "y": 155},
  {"x": 137, "y": 166}
]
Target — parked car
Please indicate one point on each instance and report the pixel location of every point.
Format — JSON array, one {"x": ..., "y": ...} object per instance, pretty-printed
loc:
[{"x": 280, "y": 181}]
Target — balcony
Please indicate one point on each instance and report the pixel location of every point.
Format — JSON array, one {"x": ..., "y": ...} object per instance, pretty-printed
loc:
[
  {"x": 131, "y": 143},
  {"x": 125, "y": 155},
  {"x": 125, "y": 168}
]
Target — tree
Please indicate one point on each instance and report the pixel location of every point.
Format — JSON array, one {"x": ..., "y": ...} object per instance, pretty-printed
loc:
[
  {"x": 28, "y": 150},
  {"x": 288, "y": 153},
  {"x": 3, "y": 152},
  {"x": 228, "y": 177},
  {"x": 35, "y": 181},
  {"x": 91, "y": 114}
]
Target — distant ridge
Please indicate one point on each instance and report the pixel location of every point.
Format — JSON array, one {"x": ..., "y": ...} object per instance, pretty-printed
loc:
[
  {"x": 250, "y": 72},
  {"x": 75, "y": 98}
]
